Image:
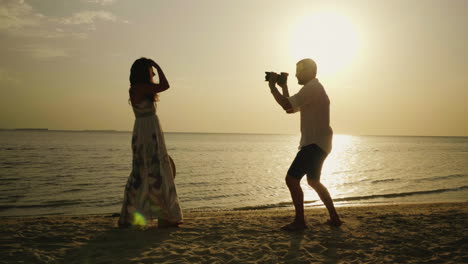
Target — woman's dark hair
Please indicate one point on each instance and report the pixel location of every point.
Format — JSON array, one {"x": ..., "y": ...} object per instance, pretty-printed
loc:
[{"x": 140, "y": 74}]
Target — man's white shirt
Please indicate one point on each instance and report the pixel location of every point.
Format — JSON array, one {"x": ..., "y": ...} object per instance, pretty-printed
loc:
[{"x": 313, "y": 103}]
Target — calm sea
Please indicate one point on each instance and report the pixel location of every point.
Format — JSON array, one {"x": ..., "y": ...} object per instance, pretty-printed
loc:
[{"x": 54, "y": 172}]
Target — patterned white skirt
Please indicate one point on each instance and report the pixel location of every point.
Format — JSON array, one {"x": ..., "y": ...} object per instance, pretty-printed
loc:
[{"x": 150, "y": 192}]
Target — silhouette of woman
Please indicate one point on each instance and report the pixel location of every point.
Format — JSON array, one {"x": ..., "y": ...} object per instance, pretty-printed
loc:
[{"x": 150, "y": 191}]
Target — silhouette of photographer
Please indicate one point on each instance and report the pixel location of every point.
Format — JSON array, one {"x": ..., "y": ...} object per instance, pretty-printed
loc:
[{"x": 316, "y": 137}]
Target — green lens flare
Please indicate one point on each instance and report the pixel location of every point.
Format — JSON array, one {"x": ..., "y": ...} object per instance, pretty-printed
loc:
[{"x": 138, "y": 219}]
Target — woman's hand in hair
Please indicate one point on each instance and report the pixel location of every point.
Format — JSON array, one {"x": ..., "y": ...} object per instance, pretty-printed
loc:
[
  {"x": 154, "y": 64},
  {"x": 163, "y": 83}
]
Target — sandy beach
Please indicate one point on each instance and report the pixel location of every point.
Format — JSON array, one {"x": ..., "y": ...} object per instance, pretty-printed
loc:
[{"x": 411, "y": 233}]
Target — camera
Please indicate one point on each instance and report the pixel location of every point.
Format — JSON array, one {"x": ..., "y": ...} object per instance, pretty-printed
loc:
[{"x": 282, "y": 78}]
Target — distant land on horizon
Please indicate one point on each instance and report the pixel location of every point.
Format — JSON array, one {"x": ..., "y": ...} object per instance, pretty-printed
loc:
[
  {"x": 25, "y": 129},
  {"x": 195, "y": 132}
]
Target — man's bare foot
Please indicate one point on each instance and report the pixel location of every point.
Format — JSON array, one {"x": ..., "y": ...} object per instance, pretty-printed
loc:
[
  {"x": 294, "y": 226},
  {"x": 334, "y": 222}
]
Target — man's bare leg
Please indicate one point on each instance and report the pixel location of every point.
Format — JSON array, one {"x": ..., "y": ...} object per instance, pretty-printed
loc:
[
  {"x": 324, "y": 195},
  {"x": 297, "y": 196}
]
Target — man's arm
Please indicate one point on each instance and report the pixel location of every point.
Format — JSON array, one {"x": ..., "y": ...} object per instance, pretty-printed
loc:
[
  {"x": 281, "y": 99},
  {"x": 284, "y": 86}
]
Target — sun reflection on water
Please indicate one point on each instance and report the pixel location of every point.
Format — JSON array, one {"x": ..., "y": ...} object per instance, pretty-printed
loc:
[{"x": 336, "y": 162}]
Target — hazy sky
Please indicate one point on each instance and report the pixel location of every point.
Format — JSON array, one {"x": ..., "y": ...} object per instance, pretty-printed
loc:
[{"x": 389, "y": 67}]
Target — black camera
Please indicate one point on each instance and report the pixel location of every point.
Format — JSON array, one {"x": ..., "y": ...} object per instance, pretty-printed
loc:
[{"x": 282, "y": 78}]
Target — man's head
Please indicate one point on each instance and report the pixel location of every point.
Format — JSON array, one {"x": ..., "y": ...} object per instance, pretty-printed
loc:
[{"x": 306, "y": 70}]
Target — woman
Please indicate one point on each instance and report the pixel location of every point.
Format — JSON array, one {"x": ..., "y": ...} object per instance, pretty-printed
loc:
[{"x": 150, "y": 191}]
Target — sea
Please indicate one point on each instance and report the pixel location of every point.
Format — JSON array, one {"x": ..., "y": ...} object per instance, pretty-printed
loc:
[{"x": 44, "y": 172}]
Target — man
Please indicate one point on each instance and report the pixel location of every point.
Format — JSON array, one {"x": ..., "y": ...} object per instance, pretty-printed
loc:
[{"x": 316, "y": 137}]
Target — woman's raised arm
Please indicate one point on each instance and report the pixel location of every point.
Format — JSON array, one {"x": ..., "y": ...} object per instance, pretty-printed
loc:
[{"x": 163, "y": 83}]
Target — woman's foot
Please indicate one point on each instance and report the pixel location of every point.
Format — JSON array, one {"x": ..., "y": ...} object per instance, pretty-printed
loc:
[
  {"x": 124, "y": 225},
  {"x": 167, "y": 224}
]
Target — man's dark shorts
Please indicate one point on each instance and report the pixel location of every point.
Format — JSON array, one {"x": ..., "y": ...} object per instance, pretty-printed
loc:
[{"x": 309, "y": 160}]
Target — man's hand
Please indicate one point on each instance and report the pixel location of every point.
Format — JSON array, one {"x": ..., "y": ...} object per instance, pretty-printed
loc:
[
  {"x": 272, "y": 80},
  {"x": 283, "y": 85},
  {"x": 281, "y": 99}
]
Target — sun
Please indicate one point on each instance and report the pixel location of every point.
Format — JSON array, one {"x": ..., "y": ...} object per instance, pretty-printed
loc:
[{"x": 329, "y": 38}]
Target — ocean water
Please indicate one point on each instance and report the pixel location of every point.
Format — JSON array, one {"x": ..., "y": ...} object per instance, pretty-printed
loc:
[{"x": 63, "y": 172}]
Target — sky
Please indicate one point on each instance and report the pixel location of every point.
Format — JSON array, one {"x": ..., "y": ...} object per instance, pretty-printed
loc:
[{"x": 389, "y": 67}]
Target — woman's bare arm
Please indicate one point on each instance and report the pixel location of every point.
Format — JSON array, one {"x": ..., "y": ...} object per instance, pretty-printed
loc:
[{"x": 163, "y": 83}]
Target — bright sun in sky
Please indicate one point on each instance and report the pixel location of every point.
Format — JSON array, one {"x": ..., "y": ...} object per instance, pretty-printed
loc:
[{"x": 328, "y": 38}]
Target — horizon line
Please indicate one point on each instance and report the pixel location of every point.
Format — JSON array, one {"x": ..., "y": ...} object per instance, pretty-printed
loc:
[{"x": 198, "y": 132}]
